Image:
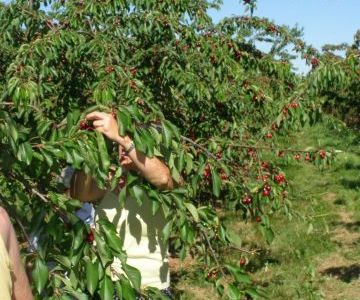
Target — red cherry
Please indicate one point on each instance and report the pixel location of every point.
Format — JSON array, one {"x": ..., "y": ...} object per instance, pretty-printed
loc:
[
  {"x": 279, "y": 178},
  {"x": 90, "y": 236},
  {"x": 242, "y": 262},
  {"x": 219, "y": 155},
  {"x": 215, "y": 275},
  {"x": 223, "y": 175},
  {"x": 281, "y": 154},
  {"x": 265, "y": 165},
  {"x": 122, "y": 182},
  {"x": 212, "y": 275},
  {"x": 322, "y": 154},
  {"x": 266, "y": 193},
  {"x": 133, "y": 71},
  {"x": 307, "y": 157},
  {"x": 297, "y": 157},
  {"x": 258, "y": 219},
  {"x": 314, "y": 62},
  {"x": 266, "y": 190},
  {"x": 109, "y": 69},
  {"x": 269, "y": 135},
  {"x": 246, "y": 200},
  {"x": 251, "y": 152},
  {"x": 83, "y": 125},
  {"x": 207, "y": 171}
]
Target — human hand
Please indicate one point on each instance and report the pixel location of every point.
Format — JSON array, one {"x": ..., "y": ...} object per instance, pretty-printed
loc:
[
  {"x": 106, "y": 124},
  {"x": 125, "y": 161}
]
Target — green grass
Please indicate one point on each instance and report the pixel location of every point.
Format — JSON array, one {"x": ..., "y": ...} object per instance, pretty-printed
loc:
[{"x": 315, "y": 255}]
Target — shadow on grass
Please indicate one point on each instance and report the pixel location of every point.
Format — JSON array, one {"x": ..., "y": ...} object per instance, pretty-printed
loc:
[
  {"x": 351, "y": 226},
  {"x": 340, "y": 201},
  {"x": 261, "y": 260},
  {"x": 351, "y": 184},
  {"x": 345, "y": 274},
  {"x": 351, "y": 166}
]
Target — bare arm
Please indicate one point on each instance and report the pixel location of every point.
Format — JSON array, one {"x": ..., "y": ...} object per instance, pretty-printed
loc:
[
  {"x": 152, "y": 169},
  {"x": 21, "y": 287}
]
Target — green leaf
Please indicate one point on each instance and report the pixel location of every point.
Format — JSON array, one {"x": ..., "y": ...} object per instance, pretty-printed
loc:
[
  {"x": 268, "y": 233},
  {"x": 166, "y": 133},
  {"x": 63, "y": 260},
  {"x": 167, "y": 230},
  {"x": 104, "y": 156},
  {"x": 155, "y": 205},
  {"x": 216, "y": 182},
  {"x": 47, "y": 157},
  {"x": 40, "y": 274},
  {"x": 112, "y": 238},
  {"x": 139, "y": 143},
  {"x": 233, "y": 292},
  {"x": 103, "y": 250},
  {"x": 133, "y": 274},
  {"x": 78, "y": 240},
  {"x": 25, "y": 153},
  {"x": 238, "y": 274},
  {"x": 43, "y": 127},
  {"x": 124, "y": 121},
  {"x": 256, "y": 293},
  {"x": 192, "y": 209},
  {"x": 77, "y": 159},
  {"x": 13, "y": 132},
  {"x": 106, "y": 289},
  {"x": 138, "y": 194},
  {"x": 128, "y": 292},
  {"x": 122, "y": 197},
  {"x": 92, "y": 276}
]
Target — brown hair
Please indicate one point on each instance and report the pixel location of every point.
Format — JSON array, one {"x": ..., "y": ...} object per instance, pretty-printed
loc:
[{"x": 83, "y": 187}]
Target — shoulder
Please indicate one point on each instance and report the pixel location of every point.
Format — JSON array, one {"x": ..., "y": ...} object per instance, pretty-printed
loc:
[{"x": 4, "y": 223}]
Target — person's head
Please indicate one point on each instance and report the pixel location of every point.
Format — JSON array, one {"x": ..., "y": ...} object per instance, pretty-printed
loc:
[{"x": 83, "y": 187}]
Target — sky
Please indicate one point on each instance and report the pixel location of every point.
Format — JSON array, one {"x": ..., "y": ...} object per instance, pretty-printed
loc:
[{"x": 323, "y": 21}]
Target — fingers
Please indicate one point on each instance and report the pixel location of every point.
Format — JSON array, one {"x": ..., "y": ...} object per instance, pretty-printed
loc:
[
  {"x": 127, "y": 164},
  {"x": 96, "y": 115},
  {"x": 98, "y": 123}
]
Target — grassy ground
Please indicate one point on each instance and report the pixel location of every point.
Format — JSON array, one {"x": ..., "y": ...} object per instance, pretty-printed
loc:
[{"x": 316, "y": 255}]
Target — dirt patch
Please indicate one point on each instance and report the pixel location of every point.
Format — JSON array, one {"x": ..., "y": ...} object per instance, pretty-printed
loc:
[
  {"x": 186, "y": 289},
  {"x": 176, "y": 265},
  {"x": 341, "y": 268},
  {"x": 330, "y": 196},
  {"x": 334, "y": 289},
  {"x": 334, "y": 260},
  {"x": 345, "y": 217},
  {"x": 343, "y": 237},
  {"x": 196, "y": 292},
  {"x": 344, "y": 234},
  {"x": 344, "y": 273}
]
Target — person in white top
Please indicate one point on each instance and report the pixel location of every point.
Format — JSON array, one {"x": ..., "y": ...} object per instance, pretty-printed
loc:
[
  {"x": 14, "y": 284},
  {"x": 138, "y": 228}
]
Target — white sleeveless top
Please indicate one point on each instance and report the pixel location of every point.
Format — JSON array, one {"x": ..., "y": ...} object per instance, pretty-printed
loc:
[{"x": 141, "y": 233}]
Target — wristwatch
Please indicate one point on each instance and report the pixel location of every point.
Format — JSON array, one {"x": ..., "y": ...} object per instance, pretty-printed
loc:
[{"x": 129, "y": 148}]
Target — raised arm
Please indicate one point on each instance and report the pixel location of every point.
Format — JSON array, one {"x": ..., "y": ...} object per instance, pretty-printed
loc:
[{"x": 152, "y": 169}]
